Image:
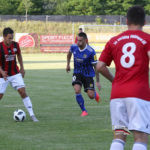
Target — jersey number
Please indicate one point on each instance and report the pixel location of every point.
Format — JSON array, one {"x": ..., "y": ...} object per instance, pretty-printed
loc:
[{"x": 128, "y": 54}]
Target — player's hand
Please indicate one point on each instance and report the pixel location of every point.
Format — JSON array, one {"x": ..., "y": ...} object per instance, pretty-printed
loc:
[
  {"x": 4, "y": 74},
  {"x": 98, "y": 86},
  {"x": 22, "y": 71},
  {"x": 68, "y": 68}
]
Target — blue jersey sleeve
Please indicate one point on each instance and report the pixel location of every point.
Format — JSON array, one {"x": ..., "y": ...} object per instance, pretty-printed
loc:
[{"x": 72, "y": 48}]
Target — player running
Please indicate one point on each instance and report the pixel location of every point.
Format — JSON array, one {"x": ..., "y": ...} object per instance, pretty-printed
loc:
[
  {"x": 9, "y": 71},
  {"x": 84, "y": 60},
  {"x": 130, "y": 95}
]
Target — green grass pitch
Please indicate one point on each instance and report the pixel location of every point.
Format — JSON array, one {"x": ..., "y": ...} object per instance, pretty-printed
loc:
[{"x": 60, "y": 126}]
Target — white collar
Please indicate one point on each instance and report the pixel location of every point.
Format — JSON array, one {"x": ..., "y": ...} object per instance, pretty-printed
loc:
[{"x": 83, "y": 49}]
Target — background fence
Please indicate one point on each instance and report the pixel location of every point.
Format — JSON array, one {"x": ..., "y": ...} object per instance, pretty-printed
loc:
[
  {"x": 97, "y": 28},
  {"x": 58, "y": 18}
]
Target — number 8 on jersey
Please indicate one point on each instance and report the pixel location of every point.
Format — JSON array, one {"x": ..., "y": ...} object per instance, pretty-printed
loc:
[{"x": 128, "y": 54}]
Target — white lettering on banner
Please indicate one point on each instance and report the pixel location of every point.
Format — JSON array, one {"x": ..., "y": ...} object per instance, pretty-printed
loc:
[
  {"x": 26, "y": 41},
  {"x": 50, "y": 38}
]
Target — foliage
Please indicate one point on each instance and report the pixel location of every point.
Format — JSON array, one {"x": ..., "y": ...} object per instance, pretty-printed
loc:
[
  {"x": 70, "y": 7},
  {"x": 25, "y": 6}
]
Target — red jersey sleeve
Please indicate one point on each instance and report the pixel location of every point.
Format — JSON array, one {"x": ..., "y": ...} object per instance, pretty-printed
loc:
[
  {"x": 106, "y": 55},
  {"x": 18, "y": 49},
  {"x": 147, "y": 46}
]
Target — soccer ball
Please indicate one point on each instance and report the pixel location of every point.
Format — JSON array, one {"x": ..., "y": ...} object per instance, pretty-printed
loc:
[{"x": 19, "y": 115}]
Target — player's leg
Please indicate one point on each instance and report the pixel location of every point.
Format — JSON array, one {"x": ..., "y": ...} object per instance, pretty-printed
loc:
[
  {"x": 118, "y": 141},
  {"x": 119, "y": 119},
  {"x": 89, "y": 87},
  {"x": 91, "y": 94},
  {"x": 140, "y": 140},
  {"x": 1, "y": 96},
  {"x": 3, "y": 86},
  {"x": 17, "y": 83},
  {"x": 77, "y": 85},
  {"x": 27, "y": 103},
  {"x": 139, "y": 121}
]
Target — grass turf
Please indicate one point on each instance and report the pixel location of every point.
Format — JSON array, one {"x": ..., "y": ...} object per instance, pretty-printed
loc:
[{"x": 60, "y": 126}]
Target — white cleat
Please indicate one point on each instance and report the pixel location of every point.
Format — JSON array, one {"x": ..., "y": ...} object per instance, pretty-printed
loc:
[{"x": 34, "y": 119}]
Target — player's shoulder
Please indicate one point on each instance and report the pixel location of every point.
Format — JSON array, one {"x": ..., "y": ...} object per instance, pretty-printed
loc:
[
  {"x": 15, "y": 43},
  {"x": 90, "y": 49},
  {"x": 145, "y": 35},
  {"x": 113, "y": 39},
  {"x": 117, "y": 36},
  {"x": 74, "y": 46}
]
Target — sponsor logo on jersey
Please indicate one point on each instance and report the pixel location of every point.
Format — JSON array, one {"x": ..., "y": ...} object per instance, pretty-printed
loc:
[
  {"x": 95, "y": 57},
  {"x": 15, "y": 49},
  {"x": 79, "y": 60},
  {"x": 10, "y": 57},
  {"x": 91, "y": 85},
  {"x": 84, "y": 56}
]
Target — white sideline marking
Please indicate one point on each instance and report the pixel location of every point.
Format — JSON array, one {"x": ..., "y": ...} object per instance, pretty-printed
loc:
[{"x": 12, "y": 106}]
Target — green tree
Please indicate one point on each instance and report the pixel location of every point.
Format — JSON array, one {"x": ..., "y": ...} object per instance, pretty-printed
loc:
[
  {"x": 147, "y": 6},
  {"x": 25, "y": 6},
  {"x": 9, "y": 7},
  {"x": 49, "y": 6},
  {"x": 81, "y": 7},
  {"x": 118, "y": 7}
]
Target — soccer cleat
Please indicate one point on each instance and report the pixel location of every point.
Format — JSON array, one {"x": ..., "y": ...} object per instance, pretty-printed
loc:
[
  {"x": 97, "y": 98},
  {"x": 34, "y": 119},
  {"x": 84, "y": 113}
]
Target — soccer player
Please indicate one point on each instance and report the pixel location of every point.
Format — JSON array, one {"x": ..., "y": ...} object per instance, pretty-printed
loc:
[
  {"x": 84, "y": 60},
  {"x": 9, "y": 71},
  {"x": 130, "y": 95}
]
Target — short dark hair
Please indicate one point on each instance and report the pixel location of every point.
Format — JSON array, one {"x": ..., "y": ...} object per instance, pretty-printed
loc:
[
  {"x": 80, "y": 29},
  {"x": 136, "y": 15},
  {"x": 82, "y": 34},
  {"x": 7, "y": 31}
]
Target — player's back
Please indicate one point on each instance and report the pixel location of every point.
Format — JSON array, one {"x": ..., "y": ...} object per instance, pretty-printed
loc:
[{"x": 129, "y": 52}]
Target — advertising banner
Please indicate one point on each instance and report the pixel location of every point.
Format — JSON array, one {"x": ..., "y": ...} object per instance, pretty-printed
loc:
[
  {"x": 55, "y": 43},
  {"x": 27, "y": 39}
]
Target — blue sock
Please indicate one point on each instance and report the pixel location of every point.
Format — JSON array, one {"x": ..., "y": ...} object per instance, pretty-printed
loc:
[
  {"x": 80, "y": 101},
  {"x": 94, "y": 94}
]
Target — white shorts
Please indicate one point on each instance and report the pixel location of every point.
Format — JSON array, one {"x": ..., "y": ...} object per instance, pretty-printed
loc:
[
  {"x": 131, "y": 113},
  {"x": 16, "y": 81}
]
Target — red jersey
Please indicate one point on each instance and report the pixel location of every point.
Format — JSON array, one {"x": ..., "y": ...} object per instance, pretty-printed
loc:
[
  {"x": 129, "y": 50},
  {"x": 8, "y": 58}
]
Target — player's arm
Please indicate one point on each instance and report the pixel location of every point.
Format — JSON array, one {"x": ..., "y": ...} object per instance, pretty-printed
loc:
[
  {"x": 97, "y": 77},
  {"x": 20, "y": 60},
  {"x": 3, "y": 73},
  {"x": 94, "y": 63},
  {"x": 149, "y": 55},
  {"x": 102, "y": 68},
  {"x": 69, "y": 54}
]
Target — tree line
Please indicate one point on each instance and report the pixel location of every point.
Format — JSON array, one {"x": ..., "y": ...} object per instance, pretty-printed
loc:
[{"x": 70, "y": 7}]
